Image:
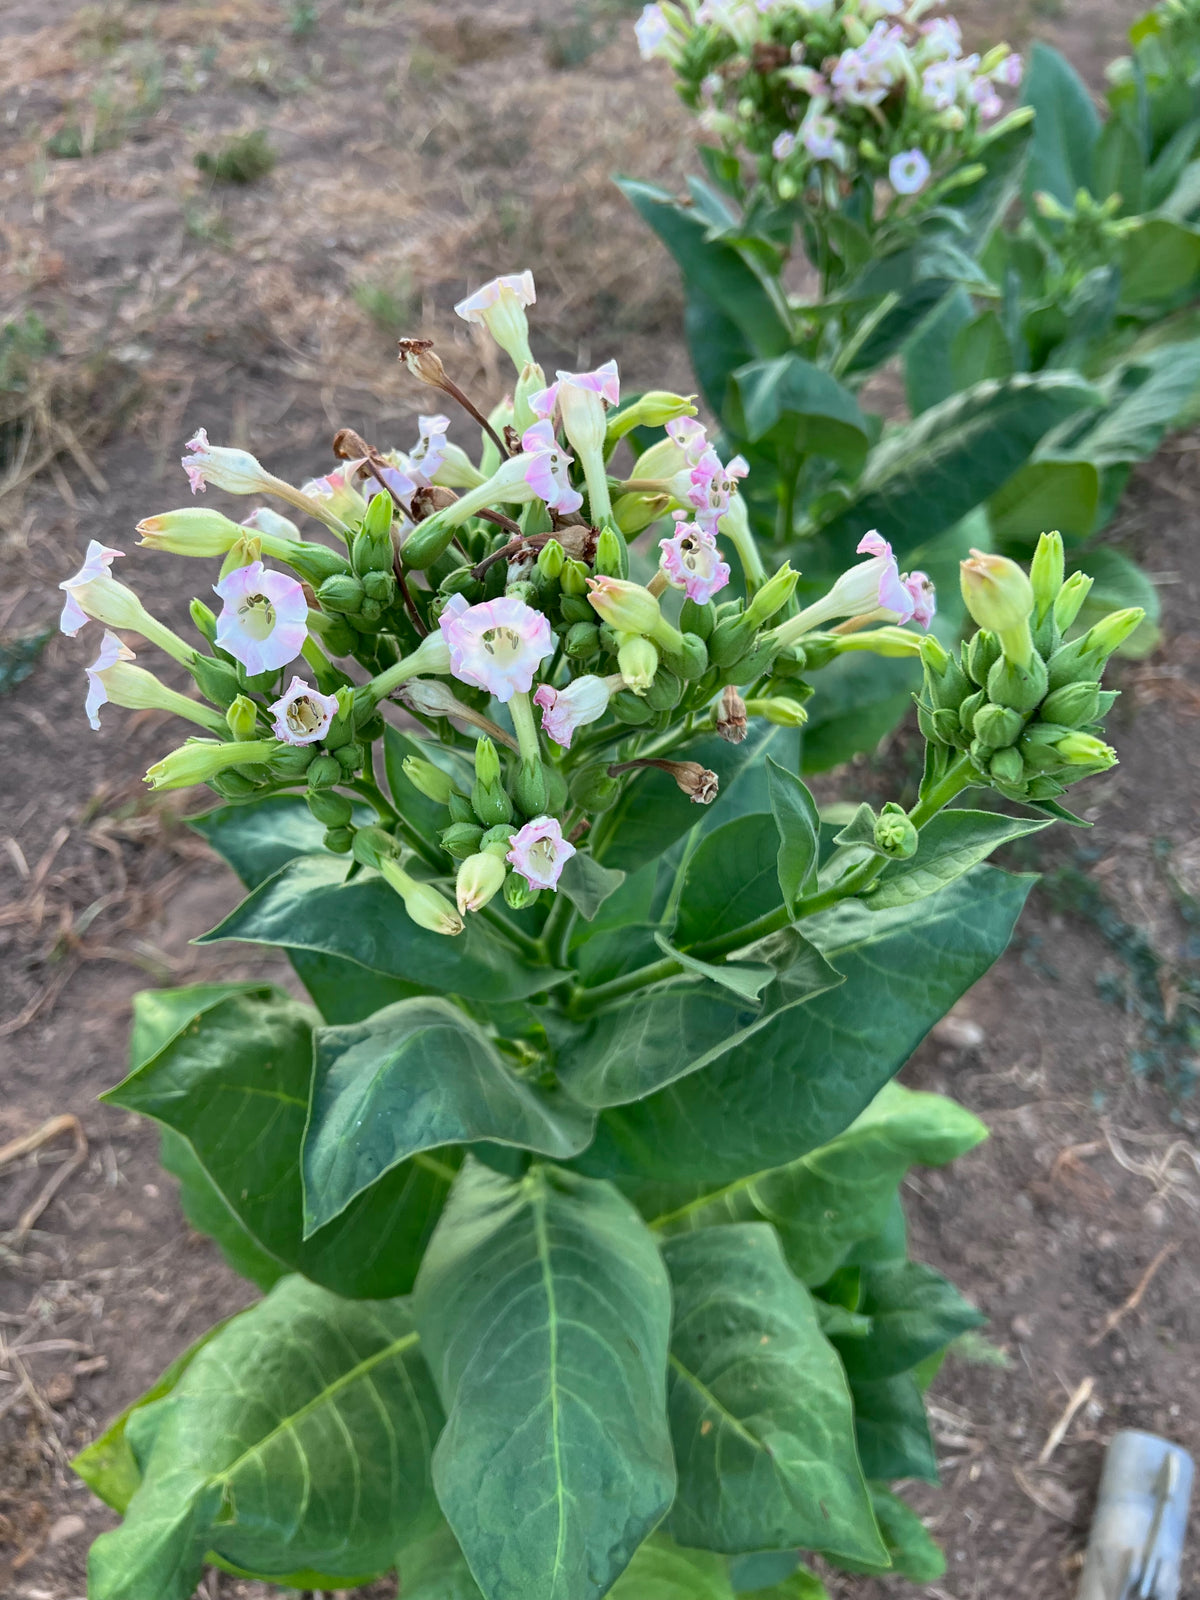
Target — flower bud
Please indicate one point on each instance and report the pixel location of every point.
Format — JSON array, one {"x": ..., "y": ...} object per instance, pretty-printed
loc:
[
  {"x": 582, "y": 640},
  {"x": 983, "y": 652},
  {"x": 201, "y": 759},
  {"x": 551, "y": 558},
  {"x": 204, "y": 619},
  {"x": 379, "y": 586},
  {"x": 574, "y": 578},
  {"x": 373, "y": 846},
  {"x": 350, "y": 757},
  {"x": 427, "y": 541},
  {"x": 997, "y": 726},
  {"x": 190, "y": 531},
  {"x": 612, "y": 560},
  {"x": 635, "y": 511},
  {"x": 999, "y": 596},
  {"x": 780, "y": 710},
  {"x": 631, "y": 708},
  {"x": 654, "y": 409},
  {"x": 1046, "y": 573},
  {"x": 334, "y": 810},
  {"x": 1021, "y": 688},
  {"x": 592, "y": 789},
  {"x": 637, "y": 660},
  {"x": 626, "y": 606},
  {"x": 895, "y": 834},
  {"x": 529, "y": 789},
  {"x": 342, "y": 593},
  {"x": 426, "y": 907},
  {"x": 731, "y": 640},
  {"x": 293, "y": 761},
  {"x": 324, "y": 772},
  {"x": 1085, "y": 750},
  {"x": 1070, "y": 598},
  {"x": 429, "y": 780},
  {"x": 487, "y": 763},
  {"x": 241, "y": 717},
  {"x": 461, "y": 839},
  {"x": 1111, "y": 632},
  {"x": 339, "y": 840},
  {"x": 773, "y": 596},
  {"x": 490, "y": 803},
  {"x": 479, "y": 878},
  {"x": 1072, "y": 706},
  {"x": 934, "y": 655},
  {"x": 686, "y": 655},
  {"x": 518, "y": 894},
  {"x": 665, "y": 693},
  {"x": 698, "y": 618},
  {"x": 216, "y": 680},
  {"x": 1007, "y": 767}
]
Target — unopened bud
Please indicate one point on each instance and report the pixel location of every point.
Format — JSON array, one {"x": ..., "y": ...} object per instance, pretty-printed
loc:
[
  {"x": 934, "y": 655},
  {"x": 426, "y": 907},
  {"x": 654, "y": 409},
  {"x": 200, "y": 760},
  {"x": 1007, "y": 767},
  {"x": 551, "y": 558},
  {"x": 487, "y": 763},
  {"x": 1046, "y": 573},
  {"x": 635, "y": 511},
  {"x": 342, "y": 593},
  {"x": 479, "y": 878},
  {"x": 1111, "y": 632},
  {"x": 241, "y": 716},
  {"x": 697, "y": 618},
  {"x": 461, "y": 839},
  {"x": 731, "y": 716},
  {"x": 429, "y": 780},
  {"x": 1019, "y": 687},
  {"x": 334, "y": 810},
  {"x": 574, "y": 578},
  {"x": 204, "y": 619},
  {"x": 339, "y": 840},
  {"x": 773, "y": 596},
  {"x": 244, "y": 551},
  {"x": 324, "y": 772},
  {"x": 781, "y": 710},
  {"x": 998, "y": 594},
  {"x": 983, "y": 652},
  {"x": 895, "y": 834},
  {"x": 1070, "y": 598},
  {"x": 1073, "y": 705},
  {"x": 997, "y": 726},
  {"x": 626, "y": 606},
  {"x": 637, "y": 661},
  {"x": 582, "y": 640},
  {"x": 190, "y": 531},
  {"x": 612, "y": 559},
  {"x": 519, "y": 894},
  {"x": 592, "y": 789},
  {"x": 1085, "y": 750}
]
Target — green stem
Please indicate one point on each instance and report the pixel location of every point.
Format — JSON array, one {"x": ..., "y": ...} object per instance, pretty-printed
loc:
[
  {"x": 957, "y": 778},
  {"x": 520, "y": 709},
  {"x": 585, "y": 1000},
  {"x": 595, "y": 475},
  {"x": 516, "y": 936},
  {"x": 556, "y": 931}
]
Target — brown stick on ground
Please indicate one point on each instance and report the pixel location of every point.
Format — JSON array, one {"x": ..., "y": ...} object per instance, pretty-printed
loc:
[
  {"x": 1114, "y": 1318},
  {"x": 34, "y": 1141}
]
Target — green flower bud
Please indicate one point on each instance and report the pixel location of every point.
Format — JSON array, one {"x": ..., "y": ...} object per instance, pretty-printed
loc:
[
  {"x": 294, "y": 760},
  {"x": 339, "y": 840},
  {"x": 1007, "y": 767},
  {"x": 624, "y": 605},
  {"x": 462, "y": 581},
  {"x": 380, "y": 586},
  {"x": 523, "y": 589},
  {"x": 497, "y": 839},
  {"x": 582, "y": 640},
  {"x": 200, "y": 760},
  {"x": 790, "y": 663},
  {"x": 344, "y": 594},
  {"x": 487, "y": 763},
  {"x": 637, "y": 660},
  {"x": 529, "y": 789},
  {"x": 429, "y": 780},
  {"x": 698, "y": 619},
  {"x": 334, "y": 810},
  {"x": 517, "y": 892},
  {"x": 480, "y": 877},
  {"x": 690, "y": 659},
  {"x": 205, "y": 621},
  {"x": 654, "y": 409},
  {"x": 1111, "y": 632},
  {"x": 967, "y": 709},
  {"x": 574, "y": 578},
  {"x": 242, "y": 717},
  {"x": 944, "y": 726},
  {"x": 593, "y": 789},
  {"x": 216, "y": 680},
  {"x": 665, "y": 693},
  {"x": 998, "y": 594},
  {"x": 231, "y": 785},
  {"x": 324, "y": 772},
  {"x": 461, "y": 839},
  {"x": 1046, "y": 574},
  {"x": 1085, "y": 750},
  {"x": 373, "y": 846},
  {"x": 773, "y": 596},
  {"x": 780, "y": 710},
  {"x": 490, "y": 803},
  {"x": 1043, "y": 788},
  {"x": 551, "y": 559},
  {"x": 997, "y": 726},
  {"x": 426, "y": 907},
  {"x": 350, "y": 757},
  {"x": 575, "y": 610},
  {"x": 634, "y": 512},
  {"x": 460, "y": 808},
  {"x": 1070, "y": 598},
  {"x": 377, "y": 523},
  {"x": 1019, "y": 687},
  {"x": 1074, "y": 705},
  {"x": 983, "y": 652},
  {"x": 427, "y": 541},
  {"x": 731, "y": 639},
  {"x": 631, "y": 708},
  {"x": 934, "y": 655},
  {"x": 612, "y": 560},
  {"x": 895, "y": 834}
]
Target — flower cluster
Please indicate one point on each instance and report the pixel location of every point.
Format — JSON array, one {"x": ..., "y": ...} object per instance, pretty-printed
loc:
[
  {"x": 821, "y": 94},
  {"x": 495, "y": 603}
]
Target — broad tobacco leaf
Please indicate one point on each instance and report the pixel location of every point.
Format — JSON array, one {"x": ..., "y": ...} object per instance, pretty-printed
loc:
[
  {"x": 297, "y": 1442},
  {"x": 544, "y": 1308},
  {"x": 802, "y": 1074},
  {"x": 761, "y": 1413},
  {"x": 231, "y": 1081},
  {"x": 415, "y": 1076}
]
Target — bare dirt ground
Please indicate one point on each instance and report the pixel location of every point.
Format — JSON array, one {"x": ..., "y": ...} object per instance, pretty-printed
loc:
[{"x": 420, "y": 148}]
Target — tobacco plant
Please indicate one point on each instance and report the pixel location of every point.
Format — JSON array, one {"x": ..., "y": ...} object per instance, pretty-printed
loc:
[{"x": 573, "y": 1187}]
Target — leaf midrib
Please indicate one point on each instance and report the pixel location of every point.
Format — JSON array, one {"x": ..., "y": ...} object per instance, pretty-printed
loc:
[{"x": 538, "y": 1207}]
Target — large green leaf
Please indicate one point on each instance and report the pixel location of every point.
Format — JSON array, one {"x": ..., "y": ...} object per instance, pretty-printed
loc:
[
  {"x": 427, "y": 817},
  {"x": 1147, "y": 396},
  {"x": 929, "y": 473},
  {"x": 729, "y": 880},
  {"x": 799, "y": 408},
  {"x": 660, "y": 1570},
  {"x": 842, "y": 1192},
  {"x": 912, "y": 1552},
  {"x": 415, "y": 1076},
  {"x": 1158, "y": 260},
  {"x": 799, "y": 828},
  {"x": 310, "y": 905},
  {"x": 545, "y": 1310},
  {"x": 298, "y": 1438},
  {"x": 714, "y": 270},
  {"x": 760, "y": 1409},
  {"x": 1045, "y": 494},
  {"x": 950, "y": 844},
  {"x": 1118, "y": 582},
  {"x": 747, "y": 979},
  {"x": 929, "y": 374},
  {"x": 914, "y": 1313},
  {"x": 1065, "y": 129},
  {"x": 233, "y": 1085},
  {"x": 892, "y": 1428},
  {"x": 652, "y": 813},
  {"x": 799, "y": 1077}
]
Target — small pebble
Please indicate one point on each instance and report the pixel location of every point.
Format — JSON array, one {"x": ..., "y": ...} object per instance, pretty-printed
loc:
[
  {"x": 66, "y": 1528},
  {"x": 959, "y": 1032},
  {"x": 1022, "y": 1327}
]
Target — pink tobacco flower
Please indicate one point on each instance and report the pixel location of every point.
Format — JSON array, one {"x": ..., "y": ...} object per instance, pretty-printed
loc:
[
  {"x": 923, "y": 596},
  {"x": 584, "y": 700},
  {"x": 539, "y": 852},
  {"x": 235, "y": 470},
  {"x": 264, "y": 620},
  {"x": 783, "y": 146},
  {"x": 95, "y": 568},
  {"x": 708, "y": 486},
  {"x": 546, "y": 464},
  {"x": 652, "y": 30},
  {"x": 302, "y": 715},
  {"x": 877, "y": 580},
  {"x": 112, "y": 650},
  {"x": 942, "y": 37},
  {"x": 500, "y": 308},
  {"x": 604, "y": 381},
  {"x": 691, "y": 437},
  {"x": 340, "y": 490},
  {"x": 908, "y": 172},
  {"x": 496, "y": 645},
  {"x": 429, "y": 453},
  {"x": 693, "y": 563}
]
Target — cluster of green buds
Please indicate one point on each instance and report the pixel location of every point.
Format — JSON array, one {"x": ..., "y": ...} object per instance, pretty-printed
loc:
[{"x": 1023, "y": 701}]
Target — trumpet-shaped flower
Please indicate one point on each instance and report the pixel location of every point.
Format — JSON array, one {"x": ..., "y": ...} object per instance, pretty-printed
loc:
[
  {"x": 500, "y": 308},
  {"x": 264, "y": 619},
  {"x": 580, "y": 398},
  {"x": 783, "y": 146},
  {"x": 539, "y": 852},
  {"x": 96, "y": 570},
  {"x": 112, "y": 679},
  {"x": 908, "y": 172},
  {"x": 302, "y": 715},
  {"x": 707, "y": 487},
  {"x": 426, "y": 457},
  {"x": 693, "y": 563},
  {"x": 584, "y": 700},
  {"x": 234, "y": 470},
  {"x": 201, "y": 759},
  {"x": 93, "y": 593},
  {"x": 546, "y": 465},
  {"x": 941, "y": 38},
  {"x": 496, "y": 645},
  {"x": 112, "y": 650},
  {"x": 923, "y": 596}
]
